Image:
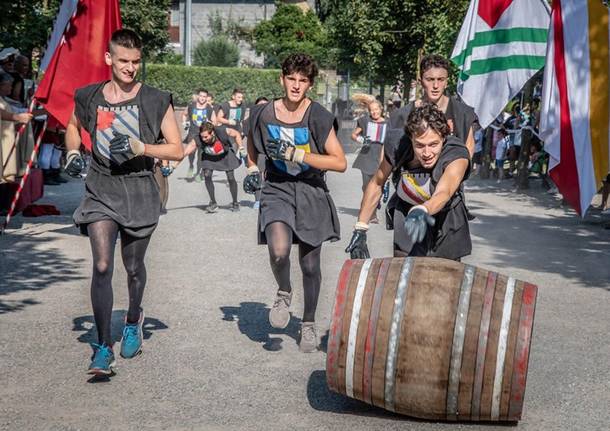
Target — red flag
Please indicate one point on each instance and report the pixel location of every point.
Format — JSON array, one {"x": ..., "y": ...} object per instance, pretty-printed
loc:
[{"x": 79, "y": 58}]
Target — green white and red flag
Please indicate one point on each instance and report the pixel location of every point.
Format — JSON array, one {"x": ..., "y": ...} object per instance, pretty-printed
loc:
[{"x": 501, "y": 45}]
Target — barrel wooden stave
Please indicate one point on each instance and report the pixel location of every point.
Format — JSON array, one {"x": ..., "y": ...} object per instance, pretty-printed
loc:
[{"x": 424, "y": 356}]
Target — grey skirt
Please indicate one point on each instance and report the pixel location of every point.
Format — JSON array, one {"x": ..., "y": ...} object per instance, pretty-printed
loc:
[
  {"x": 369, "y": 158},
  {"x": 304, "y": 206},
  {"x": 227, "y": 161},
  {"x": 131, "y": 200}
]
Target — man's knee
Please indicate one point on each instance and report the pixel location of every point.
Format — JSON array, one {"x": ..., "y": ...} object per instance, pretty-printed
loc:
[
  {"x": 207, "y": 174},
  {"x": 279, "y": 258},
  {"x": 102, "y": 268}
]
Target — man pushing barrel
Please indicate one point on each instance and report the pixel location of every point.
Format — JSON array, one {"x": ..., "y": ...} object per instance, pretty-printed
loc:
[{"x": 430, "y": 218}]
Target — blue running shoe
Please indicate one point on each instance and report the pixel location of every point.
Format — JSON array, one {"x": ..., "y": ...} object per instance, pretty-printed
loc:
[
  {"x": 102, "y": 360},
  {"x": 131, "y": 343}
]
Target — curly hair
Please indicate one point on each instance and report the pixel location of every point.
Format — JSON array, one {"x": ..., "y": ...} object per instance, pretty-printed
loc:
[
  {"x": 300, "y": 63},
  {"x": 433, "y": 61},
  {"x": 206, "y": 126},
  {"x": 427, "y": 116}
]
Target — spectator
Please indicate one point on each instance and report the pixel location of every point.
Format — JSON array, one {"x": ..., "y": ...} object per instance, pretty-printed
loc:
[
  {"x": 501, "y": 150},
  {"x": 10, "y": 161},
  {"x": 7, "y": 59}
]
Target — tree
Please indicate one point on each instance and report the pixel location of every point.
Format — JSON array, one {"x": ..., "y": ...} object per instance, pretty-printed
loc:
[
  {"x": 217, "y": 51},
  {"x": 27, "y": 24},
  {"x": 291, "y": 30},
  {"x": 380, "y": 39},
  {"x": 148, "y": 18}
]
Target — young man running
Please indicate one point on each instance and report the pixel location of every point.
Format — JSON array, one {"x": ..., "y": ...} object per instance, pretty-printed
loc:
[
  {"x": 232, "y": 113},
  {"x": 297, "y": 137},
  {"x": 431, "y": 217},
  {"x": 218, "y": 154},
  {"x": 197, "y": 113},
  {"x": 434, "y": 71},
  {"x": 125, "y": 120}
]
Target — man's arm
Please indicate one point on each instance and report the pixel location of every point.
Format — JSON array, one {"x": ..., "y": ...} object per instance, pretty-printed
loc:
[
  {"x": 172, "y": 149},
  {"x": 333, "y": 160},
  {"x": 220, "y": 118},
  {"x": 470, "y": 142},
  {"x": 373, "y": 191},
  {"x": 356, "y": 133},
  {"x": 235, "y": 135},
  {"x": 18, "y": 118},
  {"x": 72, "y": 137},
  {"x": 447, "y": 186}
]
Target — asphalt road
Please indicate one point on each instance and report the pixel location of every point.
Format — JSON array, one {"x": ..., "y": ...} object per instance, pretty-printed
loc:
[{"x": 211, "y": 360}]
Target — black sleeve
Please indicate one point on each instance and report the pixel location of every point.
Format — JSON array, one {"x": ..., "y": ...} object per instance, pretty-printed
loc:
[
  {"x": 157, "y": 103},
  {"x": 320, "y": 124},
  {"x": 83, "y": 97},
  {"x": 254, "y": 122},
  {"x": 396, "y": 147},
  {"x": 453, "y": 150},
  {"x": 225, "y": 108}
]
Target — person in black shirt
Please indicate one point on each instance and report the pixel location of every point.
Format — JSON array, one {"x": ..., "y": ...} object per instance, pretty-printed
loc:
[{"x": 431, "y": 217}]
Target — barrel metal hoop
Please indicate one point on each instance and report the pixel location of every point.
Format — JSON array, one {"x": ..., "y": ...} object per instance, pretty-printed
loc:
[
  {"x": 353, "y": 328},
  {"x": 395, "y": 329},
  {"x": 459, "y": 333},
  {"x": 371, "y": 337},
  {"x": 477, "y": 390},
  {"x": 502, "y": 342},
  {"x": 524, "y": 339},
  {"x": 334, "y": 338}
]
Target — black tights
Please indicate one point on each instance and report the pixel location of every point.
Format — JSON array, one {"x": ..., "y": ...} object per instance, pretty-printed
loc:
[
  {"x": 209, "y": 184},
  {"x": 103, "y": 235},
  {"x": 279, "y": 240}
]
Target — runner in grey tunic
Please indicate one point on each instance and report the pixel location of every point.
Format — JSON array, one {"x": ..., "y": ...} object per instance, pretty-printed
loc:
[
  {"x": 126, "y": 121},
  {"x": 218, "y": 154},
  {"x": 297, "y": 137}
]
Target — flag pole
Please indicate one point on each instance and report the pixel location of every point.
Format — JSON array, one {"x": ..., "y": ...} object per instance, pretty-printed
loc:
[
  {"x": 18, "y": 136},
  {"x": 24, "y": 178}
]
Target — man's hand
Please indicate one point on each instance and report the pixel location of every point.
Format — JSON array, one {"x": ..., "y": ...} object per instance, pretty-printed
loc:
[
  {"x": 243, "y": 152},
  {"x": 357, "y": 247},
  {"x": 417, "y": 222},
  {"x": 232, "y": 122},
  {"x": 74, "y": 163},
  {"x": 285, "y": 150},
  {"x": 23, "y": 118},
  {"x": 125, "y": 148},
  {"x": 252, "y": 182}
]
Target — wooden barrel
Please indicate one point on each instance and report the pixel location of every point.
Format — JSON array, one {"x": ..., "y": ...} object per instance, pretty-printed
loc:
[{"x": 431, "y": 338}]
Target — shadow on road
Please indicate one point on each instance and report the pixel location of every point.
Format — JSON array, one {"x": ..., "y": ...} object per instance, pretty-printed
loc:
[
  {"x": 253, "y": 321},
  {"x": 86, "y": 325},
  {"x": 322, "y": 399},
  {"x": 27, "y": 263}
]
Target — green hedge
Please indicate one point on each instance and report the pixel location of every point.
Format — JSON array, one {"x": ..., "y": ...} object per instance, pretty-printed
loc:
[{"x": 182, "y": 81}]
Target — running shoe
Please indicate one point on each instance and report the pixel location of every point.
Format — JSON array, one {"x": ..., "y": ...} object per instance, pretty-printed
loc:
[
  {"x": 257, "y": 205},
  {"x": 189, "y": 173},
  {"x": 131, "y": 343},
  {"x": 198, "y": 178},
  {"x": 102, "y": 360},
  {"x": 235, "y": 206},
  {"x": 279, "y": 315},
  {"x": 212, "y": 207},
  {"x": 309, "y": 339}
]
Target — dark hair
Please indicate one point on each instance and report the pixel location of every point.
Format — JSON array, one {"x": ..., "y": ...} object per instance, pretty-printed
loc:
[
  {"x": 300, "y": 63},
  {"x": 202, "y": 90},
  {"x": 433, "y": 60},
  {"x": 210, "y": 95},
  {"x": 206, "y": 126},
  {"x": 427, "y": 116},
  {"x": 126, "y": 38},
  {"x": 236, "y": 91},
  {"x": 261, "y": 99}
]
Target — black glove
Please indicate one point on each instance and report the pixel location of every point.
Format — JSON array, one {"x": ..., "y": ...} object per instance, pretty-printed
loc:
[
  {"x": 417, "y": 222},
  {"x": 74, "y": 163},
  {"x": 280, "y": 150},
  {"x": 386, "y": 192},
  {"x": 252, "y": 183},
  {"x": 124, "y": 148},
  {"x": 357, "y": 247}
]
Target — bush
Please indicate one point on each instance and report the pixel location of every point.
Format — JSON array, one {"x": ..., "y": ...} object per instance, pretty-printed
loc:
[
  {"x": 218, "y": 51},
  {"x": 183, "y": 80}
]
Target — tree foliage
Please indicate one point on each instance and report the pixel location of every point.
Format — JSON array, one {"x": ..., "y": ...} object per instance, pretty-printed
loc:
[
  {"x": 27, "y": 24},
  {"x": 380, "y": 39},
  {"x": 217, "y": 51},
  {"x": 149, "y": 19},
  {"x": 291, "y": 30}
]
